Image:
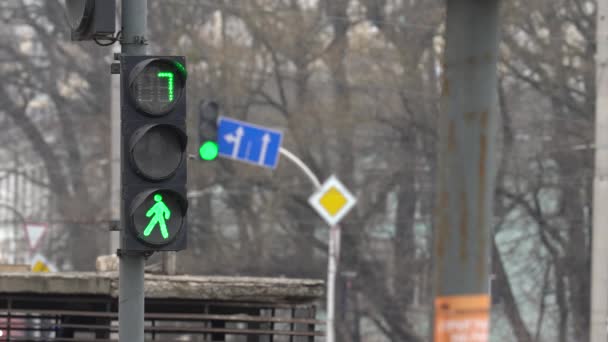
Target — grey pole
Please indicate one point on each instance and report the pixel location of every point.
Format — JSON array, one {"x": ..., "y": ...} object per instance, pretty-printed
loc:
[
  {"x": 134, "y": 26},
  {"x": 466, "y": 168},
  {"x": 131, "y": 269},
  {"x": 599, "y": 271},
  {"x": 115, "y": 160}
]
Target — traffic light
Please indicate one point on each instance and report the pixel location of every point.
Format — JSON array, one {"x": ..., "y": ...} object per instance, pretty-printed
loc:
[
  {"x": 92, "y": 19},
  {"x": 153, "y": 166},
  {"x": 207, "y": 128}
]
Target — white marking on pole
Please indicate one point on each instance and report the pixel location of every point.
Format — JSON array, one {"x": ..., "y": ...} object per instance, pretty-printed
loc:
[{"x": 265, "y": 142}]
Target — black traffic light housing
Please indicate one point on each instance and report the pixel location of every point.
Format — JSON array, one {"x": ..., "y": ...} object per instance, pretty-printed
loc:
[
  {"x": 154, "y": 156},
  {"x": 207, "y": 130},
  {"x": 92, "y": 19}
]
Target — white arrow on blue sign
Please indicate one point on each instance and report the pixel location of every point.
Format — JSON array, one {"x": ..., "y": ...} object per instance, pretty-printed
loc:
[{"x": 248, "y": 143}]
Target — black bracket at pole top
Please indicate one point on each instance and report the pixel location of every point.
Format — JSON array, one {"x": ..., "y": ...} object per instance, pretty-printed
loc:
[
  {"x": 135, "y": 40},
  {"x": 146, "y": 254}
]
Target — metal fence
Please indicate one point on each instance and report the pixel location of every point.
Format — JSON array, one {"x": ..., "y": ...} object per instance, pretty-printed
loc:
[{"x": 63, "y": 318}]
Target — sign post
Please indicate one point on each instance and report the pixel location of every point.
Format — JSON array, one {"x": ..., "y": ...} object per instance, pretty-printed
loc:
[
  {"x": 261, "y": 146},
  {"x": 332, "y": 201}
]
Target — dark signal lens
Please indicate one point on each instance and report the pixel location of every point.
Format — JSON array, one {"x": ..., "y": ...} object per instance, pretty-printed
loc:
[{"x": 157, "y": 151}]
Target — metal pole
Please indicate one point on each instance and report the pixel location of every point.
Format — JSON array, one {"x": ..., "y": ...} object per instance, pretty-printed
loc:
[
  {"x": 599, "y": 271},
  {"x": 466, "y": 169},
  {"x": 115, "y": 160},
  {"x": 332, "y": 268},
  {"x": 299, "y": 163},
  {"x": 333, "y": 253},
  {"x": 131, "y": 281}
]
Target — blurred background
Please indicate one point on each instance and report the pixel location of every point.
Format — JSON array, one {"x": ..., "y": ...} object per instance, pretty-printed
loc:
[{"x": 355, "y": 86}]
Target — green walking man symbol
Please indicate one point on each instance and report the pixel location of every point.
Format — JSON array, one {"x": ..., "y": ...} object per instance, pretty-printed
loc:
[{"x": 159, "y": 213}]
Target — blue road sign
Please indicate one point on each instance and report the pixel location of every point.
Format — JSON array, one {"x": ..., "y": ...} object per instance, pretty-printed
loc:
[{"x": 248, "y": 143}]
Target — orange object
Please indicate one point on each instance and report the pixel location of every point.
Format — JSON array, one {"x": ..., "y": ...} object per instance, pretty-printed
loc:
[{"x": 462, "y": 318}]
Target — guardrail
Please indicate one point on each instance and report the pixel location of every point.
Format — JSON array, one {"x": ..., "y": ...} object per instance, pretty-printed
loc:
[{"x": 24, "y": 318}]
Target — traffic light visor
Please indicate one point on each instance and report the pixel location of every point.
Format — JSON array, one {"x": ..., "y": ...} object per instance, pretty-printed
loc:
[{"x": 79, "y": 13}]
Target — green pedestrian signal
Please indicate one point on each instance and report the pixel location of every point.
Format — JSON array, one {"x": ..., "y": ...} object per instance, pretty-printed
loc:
[
  {"x": 158, "y": 217},
  {"x": 159, "y": 213}
]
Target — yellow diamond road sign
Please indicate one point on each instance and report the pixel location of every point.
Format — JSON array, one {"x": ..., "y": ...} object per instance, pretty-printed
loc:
[{"x": 332, "y": 201}]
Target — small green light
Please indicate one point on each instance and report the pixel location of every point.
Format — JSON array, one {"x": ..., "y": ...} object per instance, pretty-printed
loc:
[
  {"x": 208, "y": 150},
  {"x": 181, "y": 68},
  {"x": 169, "y": 76}
]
